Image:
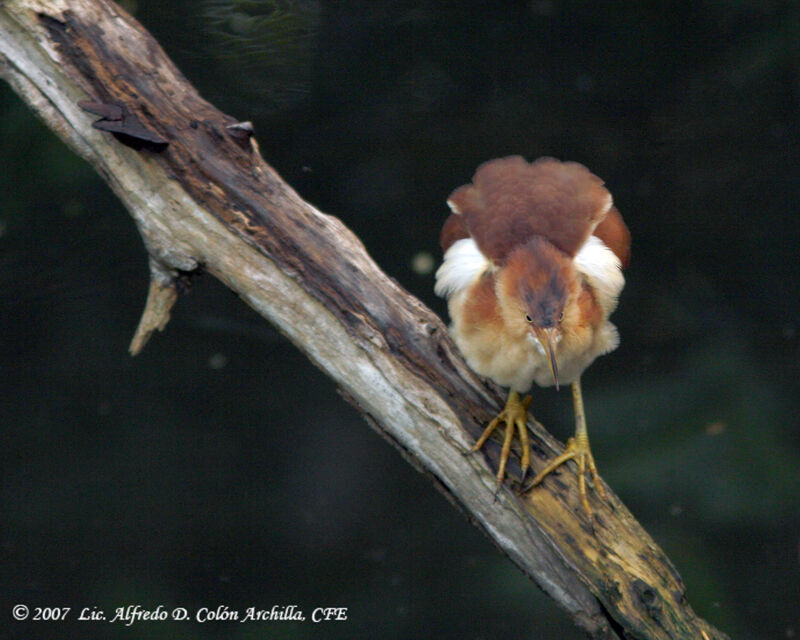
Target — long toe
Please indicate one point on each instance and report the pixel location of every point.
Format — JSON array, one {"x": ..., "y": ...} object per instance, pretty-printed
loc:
[
  {"x": 514, "y": 416},
  {"x": 580, "y": 452}
]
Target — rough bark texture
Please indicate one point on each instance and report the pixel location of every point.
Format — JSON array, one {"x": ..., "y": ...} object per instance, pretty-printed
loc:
[{"x": 202, "y": 197}]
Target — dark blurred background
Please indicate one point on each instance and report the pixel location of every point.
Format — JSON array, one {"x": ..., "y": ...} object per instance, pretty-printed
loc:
[{"x": 220, "y": 468}]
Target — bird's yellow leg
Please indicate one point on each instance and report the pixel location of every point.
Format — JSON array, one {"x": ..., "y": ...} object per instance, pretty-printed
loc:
[
  {"x": 577, "y": 449},
  {"x": 515, "y": 417}
]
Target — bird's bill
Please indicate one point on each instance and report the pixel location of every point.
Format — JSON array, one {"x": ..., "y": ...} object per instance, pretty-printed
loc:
[{"x": 547, "y": 338}]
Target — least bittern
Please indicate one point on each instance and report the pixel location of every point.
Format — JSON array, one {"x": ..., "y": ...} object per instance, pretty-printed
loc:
[{"x": 532, "y": 270}]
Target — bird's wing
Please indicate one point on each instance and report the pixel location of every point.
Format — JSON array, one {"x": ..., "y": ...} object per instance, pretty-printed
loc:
[
  {"x": 615, "y": 235},
  {"x": 511, "y": 200},
  {"x": 454, "y": 229}
]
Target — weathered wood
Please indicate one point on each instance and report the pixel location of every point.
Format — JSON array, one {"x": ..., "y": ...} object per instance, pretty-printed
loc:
[
  {"x": 203, "y": 197},
  {"x": 161, "y": 297}
]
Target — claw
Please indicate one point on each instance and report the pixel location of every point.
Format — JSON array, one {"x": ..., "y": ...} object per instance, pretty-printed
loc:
[
  {"x": 514, "y": 415},
  {"x": 582, "y": 454},
  {"x": 577, "y": 449}
]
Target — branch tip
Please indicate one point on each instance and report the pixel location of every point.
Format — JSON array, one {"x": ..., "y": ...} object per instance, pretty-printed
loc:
[{"x": 160, "y": 299}]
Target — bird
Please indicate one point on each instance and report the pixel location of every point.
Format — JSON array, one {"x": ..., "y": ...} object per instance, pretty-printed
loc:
[{"x": 532, "y": 269}]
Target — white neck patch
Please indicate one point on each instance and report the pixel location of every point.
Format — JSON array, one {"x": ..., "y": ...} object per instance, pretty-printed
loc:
[
  {"x": 463, "y": 264},
  {"x": 602, "y": 270}
]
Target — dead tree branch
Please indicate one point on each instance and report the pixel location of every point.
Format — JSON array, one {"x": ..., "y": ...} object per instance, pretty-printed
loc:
[{"x": 203, "y": 197}]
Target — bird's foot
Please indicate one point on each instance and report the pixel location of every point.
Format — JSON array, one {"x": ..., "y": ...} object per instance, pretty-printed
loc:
[
  {"x": 576, "y": 449},
  {"x": 515, "y": 417}
]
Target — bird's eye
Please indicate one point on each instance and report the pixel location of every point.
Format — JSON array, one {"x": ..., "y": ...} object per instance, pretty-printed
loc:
[
  {"x": 528, "y": 319},
  {"x": 561, "y": 317}
]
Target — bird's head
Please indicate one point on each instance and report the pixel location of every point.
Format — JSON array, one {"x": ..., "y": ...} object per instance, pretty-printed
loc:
[{"x": 536, "y": 284}]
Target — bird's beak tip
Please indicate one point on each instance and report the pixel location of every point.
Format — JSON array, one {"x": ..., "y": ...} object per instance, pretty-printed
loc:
[{"x": 547, "y": 337}]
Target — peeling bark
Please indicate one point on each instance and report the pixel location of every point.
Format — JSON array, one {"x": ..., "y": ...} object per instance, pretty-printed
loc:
[{"x": 202, "y": 196}]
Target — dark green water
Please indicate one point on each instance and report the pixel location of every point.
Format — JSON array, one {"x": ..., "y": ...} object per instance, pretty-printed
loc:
[{"x": 220, "y": 468}]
